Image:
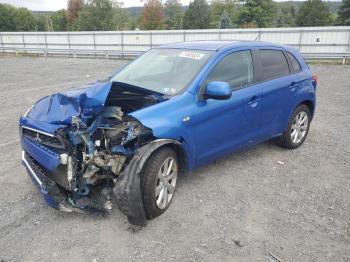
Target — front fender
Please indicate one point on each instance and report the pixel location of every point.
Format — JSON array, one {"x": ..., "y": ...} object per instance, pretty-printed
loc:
[
  {"x": 180, "y": 134},
  {"x": 167, "y": 120}
]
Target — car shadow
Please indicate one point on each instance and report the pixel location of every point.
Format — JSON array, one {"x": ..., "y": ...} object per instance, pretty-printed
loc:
[{"x": 237, "y": 157}]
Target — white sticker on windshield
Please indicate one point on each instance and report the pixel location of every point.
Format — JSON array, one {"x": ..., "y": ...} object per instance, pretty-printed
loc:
[{"x": 192, "y": 55}]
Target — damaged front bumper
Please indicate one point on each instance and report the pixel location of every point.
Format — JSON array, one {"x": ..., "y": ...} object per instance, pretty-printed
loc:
[
  {"x": 125, "y": 189},
  {"x": 50, "y": 190},
  {"x": 54, "y": 195}
]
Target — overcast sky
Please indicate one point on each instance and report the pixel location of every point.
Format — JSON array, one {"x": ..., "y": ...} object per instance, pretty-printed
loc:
[{"x": 53, "y": 5}]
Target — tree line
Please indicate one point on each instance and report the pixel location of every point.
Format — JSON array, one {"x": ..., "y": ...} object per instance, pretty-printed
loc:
[{"x": 109, "y": 15}]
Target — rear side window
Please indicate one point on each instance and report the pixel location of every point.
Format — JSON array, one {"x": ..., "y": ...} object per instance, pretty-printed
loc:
[
  {"x": 235, "y": 68},
  {"x": 295, "y": 64},
  {"x": 274, "y": 64}
]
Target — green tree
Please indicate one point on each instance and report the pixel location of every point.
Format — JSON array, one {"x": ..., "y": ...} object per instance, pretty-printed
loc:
[
  {"x": 344, "y": 13},
  {"x": 42, "y": 23},
  {"x": 7, "y": 18},
  {"x": 59, "y": 20},
  {"x": 99, "y": 15},
  {"x": 173, "y": 14},
  {"x": 197, "y": 15},
  {"x": 152, "y": 16},
  {"x": 314, "y": 13},
  {"x": 218, "y": 7},
  {"x": 24, "y": 20},
  {"x": 257, "y": 13},
  {"x": 225, "y": 21},
  {"x": 120, "y": 17},
  {"x": 132, "y": 23},
  {"x": 286, "y": 16}
]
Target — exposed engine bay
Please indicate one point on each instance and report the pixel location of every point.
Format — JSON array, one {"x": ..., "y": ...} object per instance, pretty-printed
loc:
[
  {"x": 98, "y": 153},
  {"x": 101, "y": 155}
]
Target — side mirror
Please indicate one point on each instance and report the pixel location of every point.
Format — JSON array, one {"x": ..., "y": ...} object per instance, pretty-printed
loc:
[{"x": 218, "y": 90}]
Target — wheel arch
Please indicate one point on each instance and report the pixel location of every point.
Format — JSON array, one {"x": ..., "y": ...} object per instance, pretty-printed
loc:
[
  {"x": 181, "y": 155},
  {"x": 307, "y": 102},
  {"x": 310, "y": 104},
  {"x": 174, "y": 145}
]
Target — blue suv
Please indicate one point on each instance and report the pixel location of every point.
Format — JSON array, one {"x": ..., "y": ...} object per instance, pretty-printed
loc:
[{"x": 124, "y": 141}]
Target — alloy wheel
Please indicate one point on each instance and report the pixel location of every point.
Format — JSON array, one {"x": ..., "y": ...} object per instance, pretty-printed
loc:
[
  {"x": 299, "y": 127},
  {"x": 166, "y": 182}
]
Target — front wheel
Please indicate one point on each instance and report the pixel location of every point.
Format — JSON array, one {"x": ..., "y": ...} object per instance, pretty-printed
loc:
[
  {"x": 298, "y": 128},
  {"x": 158, "y": 181}
]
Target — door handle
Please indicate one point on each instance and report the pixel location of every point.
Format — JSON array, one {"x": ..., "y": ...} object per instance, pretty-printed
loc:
[
  {"x": 253, "y": 101},
  {"x": 292, "y": 86}
]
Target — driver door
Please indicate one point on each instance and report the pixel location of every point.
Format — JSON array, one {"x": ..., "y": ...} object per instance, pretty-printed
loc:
[{"x": 222, "y": 126}]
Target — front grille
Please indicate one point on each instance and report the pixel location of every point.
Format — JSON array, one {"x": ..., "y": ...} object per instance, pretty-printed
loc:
[
  {"x": 59, "y": 176},
  {"x": 42, "y": 174},
  {"x": 46, "y": 140},
  {"x": 39, "y": 171}
]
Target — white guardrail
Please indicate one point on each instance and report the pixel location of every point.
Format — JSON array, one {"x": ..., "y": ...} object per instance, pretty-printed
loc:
[{"x": 312, "y": 42}]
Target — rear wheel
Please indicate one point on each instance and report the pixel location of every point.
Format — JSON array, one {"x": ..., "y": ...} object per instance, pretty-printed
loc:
[
  {"x": 298, "y": 128},
  {"x": 158, "y": 182}
]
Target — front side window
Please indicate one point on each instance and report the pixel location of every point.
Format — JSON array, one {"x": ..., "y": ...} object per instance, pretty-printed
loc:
[
  {"x": 235, "y": 69},
  {"x": 274, "y": 64},
  {"x": 166, "y": 71}
]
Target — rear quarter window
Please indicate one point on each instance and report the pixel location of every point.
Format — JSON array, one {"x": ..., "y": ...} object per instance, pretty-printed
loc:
[
  {"x": 295, "y": 64},
  {"x": 274, "y": 64}
]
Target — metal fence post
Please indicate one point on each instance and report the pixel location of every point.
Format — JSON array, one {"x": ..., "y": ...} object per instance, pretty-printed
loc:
[
  {"x": 2, "y": 44},
  {"x": 45, "y": 52},
  {"x": 258, "y": 36},
  {"x": 24, "y": 43},
  {"x": 45, "y": 40},
  {"x": 346, "y": 59},
  {"x": 184, "y": 36},
  {"x": 94, "y": 37},
  {"x": 150, "y": 39},
  {"x": 122, "y": 41},
  {"x": 219, "y": 34},
  {"x": 68, "y": 38},
  {"x": 300, "y": 39},
  {"x": 349, "y": 42}
]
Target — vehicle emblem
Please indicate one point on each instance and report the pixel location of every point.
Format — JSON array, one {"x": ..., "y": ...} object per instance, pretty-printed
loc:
[
  {"x": 186, "y": 119},
  {"x": 37, "y": 139}
]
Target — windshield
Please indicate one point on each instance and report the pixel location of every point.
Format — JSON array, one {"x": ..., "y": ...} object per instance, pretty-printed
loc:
[{"x": 166, "y": 71}]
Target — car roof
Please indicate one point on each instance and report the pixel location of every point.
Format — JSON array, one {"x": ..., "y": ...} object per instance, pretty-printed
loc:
[{"x": 217, "y": 45}]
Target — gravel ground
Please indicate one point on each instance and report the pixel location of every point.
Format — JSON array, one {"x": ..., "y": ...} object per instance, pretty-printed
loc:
[{"x": 245, "y": 207}]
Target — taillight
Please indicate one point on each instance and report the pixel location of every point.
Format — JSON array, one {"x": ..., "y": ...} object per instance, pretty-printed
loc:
[{"x": 314, "y": 80}]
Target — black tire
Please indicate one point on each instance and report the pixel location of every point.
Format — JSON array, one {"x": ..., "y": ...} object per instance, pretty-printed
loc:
[
  {"x": 149, "y": 181},
  {"x": 285, "y": 140}
]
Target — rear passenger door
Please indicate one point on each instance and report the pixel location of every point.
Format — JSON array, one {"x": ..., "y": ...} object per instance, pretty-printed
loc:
[{"x": 278, "y": 89}]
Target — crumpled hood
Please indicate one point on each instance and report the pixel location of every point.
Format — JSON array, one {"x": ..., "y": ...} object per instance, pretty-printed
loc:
[{"x": 59, "y": 108}]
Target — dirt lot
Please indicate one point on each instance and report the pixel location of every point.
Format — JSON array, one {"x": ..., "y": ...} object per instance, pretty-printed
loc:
[{"x": 245, "y": 207}]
